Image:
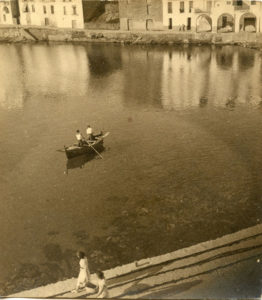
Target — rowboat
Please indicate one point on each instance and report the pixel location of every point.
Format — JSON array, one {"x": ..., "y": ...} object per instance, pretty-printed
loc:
[
  {"x": 79, "y": 162},
  {"x": 90, "y": 147}
]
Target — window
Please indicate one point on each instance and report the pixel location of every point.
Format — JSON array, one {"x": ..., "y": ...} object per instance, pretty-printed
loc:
[
  {"x": 4, "y": 18},
  {"x": 33, "y": 8},
  {"x": 239, "y": 2},
  {"x": 182, "y": 6},
  {"x": 74, "y": 10},
  {"x": 52, "y": 9},
  {"x": 26, "y": 9},
  {"x": 253, "y": 2},
  {"x": 228, "y": 2},
  {"x": 169, "y": 7},
  {"x": 190, "y": 6},
  {"x": 64, "y": 10},
  {"x": 6, "y": 10},
  {"x": 44, "y": 9}
]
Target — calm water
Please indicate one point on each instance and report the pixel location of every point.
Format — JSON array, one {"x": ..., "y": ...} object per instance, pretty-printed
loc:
[{"x": 183, "y": 161}]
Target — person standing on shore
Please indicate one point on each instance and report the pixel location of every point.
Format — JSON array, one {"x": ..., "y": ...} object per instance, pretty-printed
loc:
[{"x": 84, "y": 274}]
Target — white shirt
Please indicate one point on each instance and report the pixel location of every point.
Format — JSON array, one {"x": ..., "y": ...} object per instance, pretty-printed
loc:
[
  {"x": 79, "y": 136},
  {"x": 89, "y": 130}
]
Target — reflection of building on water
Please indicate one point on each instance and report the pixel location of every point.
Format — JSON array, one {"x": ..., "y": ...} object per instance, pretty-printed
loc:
[
  {"x": 104, "y": 60},
  {"x": 142, "y": 68},
  {"x": 71, "y": 66},
  {"x": 185, "y": 77},
  {"x": 12, "y": 92},
  {"x": 200, "y": 80}
]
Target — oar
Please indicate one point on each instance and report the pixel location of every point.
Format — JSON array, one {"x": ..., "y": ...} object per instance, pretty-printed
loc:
[
  {"x": 96, "y": 151},
  {"x": 89, "y": 144}
]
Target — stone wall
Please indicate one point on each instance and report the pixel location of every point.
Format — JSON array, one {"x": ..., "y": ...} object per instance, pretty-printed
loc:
[{"x": 19, "y": 34}]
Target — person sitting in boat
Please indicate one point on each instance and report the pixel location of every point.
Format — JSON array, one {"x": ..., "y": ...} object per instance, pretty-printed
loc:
[
  {"x": 79, "y": 138},
  {"x": 89, "y": 133}
]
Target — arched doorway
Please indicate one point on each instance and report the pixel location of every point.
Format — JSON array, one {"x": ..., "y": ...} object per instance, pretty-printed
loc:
[
  {"x": 225, "y": 23},
  {"x": 203, "y": 23},
  {"x": 248, "y": 22}
]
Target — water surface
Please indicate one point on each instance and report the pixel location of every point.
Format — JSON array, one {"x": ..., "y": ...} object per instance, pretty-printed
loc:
[{"x": 182, "y": 164}]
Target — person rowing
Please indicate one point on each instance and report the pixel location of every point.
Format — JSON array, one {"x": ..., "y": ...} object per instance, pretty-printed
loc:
[{"x": 89, "y": 132}]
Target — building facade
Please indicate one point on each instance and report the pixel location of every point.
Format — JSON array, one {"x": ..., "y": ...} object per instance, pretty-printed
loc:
[
  {"x": 55, "y": 13},
  {"x": 141, "y": 14},
  {"x": 213, "y": 15},
  {"x": 9, "y": 12}
]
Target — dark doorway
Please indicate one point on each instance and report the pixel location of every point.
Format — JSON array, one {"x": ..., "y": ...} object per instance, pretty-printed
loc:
[
  {"x": 188, "y": 23},
  {"x": 251, "y": 22},
  {"x": 149, "y": 24},
  {"x": 224, "y": 21},
  {"x": 170, "y": 25}
]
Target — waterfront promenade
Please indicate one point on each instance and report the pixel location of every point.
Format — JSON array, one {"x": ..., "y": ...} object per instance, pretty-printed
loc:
[
  {"x": 228, "y": 267},
  {"x": 48, "y": 34}
]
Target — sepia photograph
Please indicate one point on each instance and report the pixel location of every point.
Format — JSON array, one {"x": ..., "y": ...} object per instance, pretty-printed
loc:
[{"x": 131, "y": 149}]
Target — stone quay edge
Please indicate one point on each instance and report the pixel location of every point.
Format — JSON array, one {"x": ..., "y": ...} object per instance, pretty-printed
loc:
[
  {"x": 204, "y": 259},
  {"x": 16, "y": 34}
]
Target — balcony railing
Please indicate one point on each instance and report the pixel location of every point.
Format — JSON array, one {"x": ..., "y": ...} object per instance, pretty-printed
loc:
[{"x": 197, "y": 10}]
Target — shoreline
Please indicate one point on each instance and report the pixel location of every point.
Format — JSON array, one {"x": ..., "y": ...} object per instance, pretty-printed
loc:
[
  {"x": 21, "y": 34},
  {"x": 190, "y": 262}
]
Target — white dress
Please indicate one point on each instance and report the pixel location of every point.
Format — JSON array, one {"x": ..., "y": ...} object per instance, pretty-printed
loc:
[
  {"x": 84, "y": 275},
  {"x": 102, "y": 288}
]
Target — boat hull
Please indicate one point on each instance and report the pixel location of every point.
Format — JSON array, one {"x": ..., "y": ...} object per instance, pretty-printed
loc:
[{"x": 74, "y": 151}]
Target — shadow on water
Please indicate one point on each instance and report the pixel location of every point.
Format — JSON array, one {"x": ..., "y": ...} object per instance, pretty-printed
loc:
[{"x": 80, "y": 161}]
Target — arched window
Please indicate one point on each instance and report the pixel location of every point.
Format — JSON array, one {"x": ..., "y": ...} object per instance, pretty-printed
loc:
[
  {"x": 204, "y": 23},
  {"x": 6, "y": 10},
  {"x": 248, "y": 22},
  {"x": 225, "y": 23},
  {"x": 25, "y": 8}
]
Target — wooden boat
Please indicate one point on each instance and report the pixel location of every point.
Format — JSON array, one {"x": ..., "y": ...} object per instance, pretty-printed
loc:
[
  {"x": 79, "y": 162},
  {"x": 90, "y": 147}
]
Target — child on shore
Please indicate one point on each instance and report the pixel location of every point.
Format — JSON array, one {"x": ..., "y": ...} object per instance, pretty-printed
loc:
[{"x": 101, "y": 285}]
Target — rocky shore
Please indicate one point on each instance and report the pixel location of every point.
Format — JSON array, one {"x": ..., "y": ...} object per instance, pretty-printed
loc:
[{"x": 39, "y": 34}]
